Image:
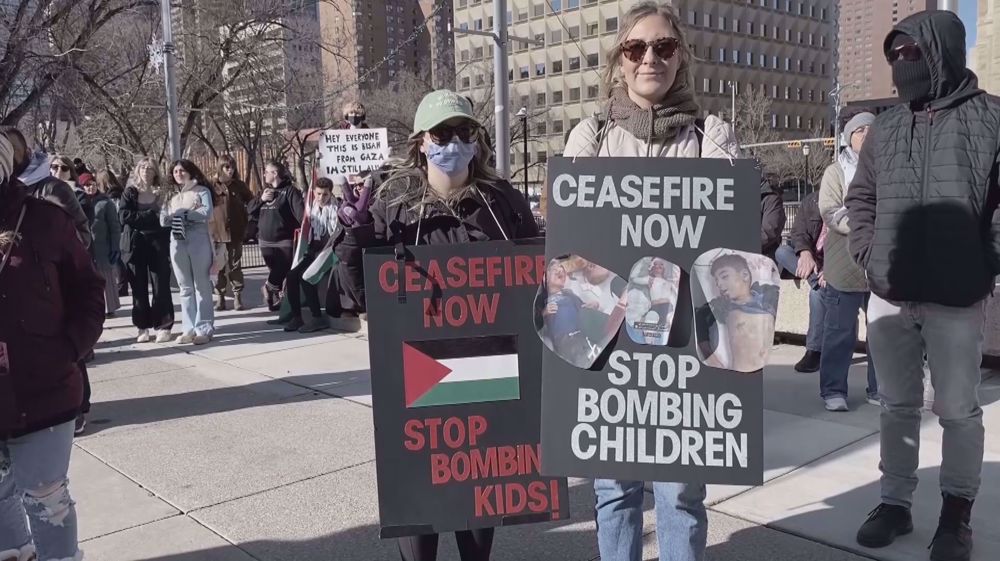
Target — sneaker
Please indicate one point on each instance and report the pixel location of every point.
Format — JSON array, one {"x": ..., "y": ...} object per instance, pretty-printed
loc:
[
  {"x": 314, "y": 324},
  {"x": 874, "y": 399},
  {"x": 838, "y": 404},
  {"x": 185, "y": 339},
  {"x": 884, "y": 525},
  {"x": 202, "y": 339},
  {"x": 953, "y": 539},
  {"x": 809, "y": 362},
  {"x": 295, "y": 324},
  {"x": 81, "y": 424},
  {"x": 143, "y": 336},
  {"x": 163, "y": 336}
]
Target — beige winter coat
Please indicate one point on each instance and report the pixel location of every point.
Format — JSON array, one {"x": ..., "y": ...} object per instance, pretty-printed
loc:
[
  {"x": 719, "y": 142},
  {"x": 839, "y": 269}
]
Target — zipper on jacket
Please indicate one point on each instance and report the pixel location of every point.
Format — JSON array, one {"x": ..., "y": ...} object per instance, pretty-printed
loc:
[{"x": 927, "y": 157}]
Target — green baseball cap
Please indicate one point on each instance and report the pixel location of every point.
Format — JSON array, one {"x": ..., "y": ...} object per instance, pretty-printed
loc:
[{"x": 439, "y": 106}]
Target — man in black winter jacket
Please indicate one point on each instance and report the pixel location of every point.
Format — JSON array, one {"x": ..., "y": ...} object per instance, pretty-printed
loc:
[
  {"x": 803, "y": 258},
  {"x": 924, "y": 226}
]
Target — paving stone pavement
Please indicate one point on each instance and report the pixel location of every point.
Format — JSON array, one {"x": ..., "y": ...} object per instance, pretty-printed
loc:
[{"x": 259, "y": 447}]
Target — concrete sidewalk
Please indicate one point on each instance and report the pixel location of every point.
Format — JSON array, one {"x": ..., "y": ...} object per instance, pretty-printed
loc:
[{"x": 260, "y": 446}]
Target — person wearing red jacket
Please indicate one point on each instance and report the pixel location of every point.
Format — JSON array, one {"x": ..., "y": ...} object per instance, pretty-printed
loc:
[{"x": 51, "y": 315}]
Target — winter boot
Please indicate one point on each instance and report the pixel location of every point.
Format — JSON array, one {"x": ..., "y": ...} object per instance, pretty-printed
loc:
[
  {"x": 315, "y": 323},
  {"x": 953, "y": 539},
  {"x": 809, "y": 362},
  {"x": 221, "y": 305},
  {"x": 884, "y": 525},
  {"x": 273, "y": 297},
  {"x": 238, "y": 302},
  {"x": 295, "y": 324}
]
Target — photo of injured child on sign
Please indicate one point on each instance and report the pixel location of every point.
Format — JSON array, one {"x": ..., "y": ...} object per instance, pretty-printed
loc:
[
  {"x": 653, "y": 285},
  {"x": 735, "y": 298},
  {"x": 579, "y": 309}
]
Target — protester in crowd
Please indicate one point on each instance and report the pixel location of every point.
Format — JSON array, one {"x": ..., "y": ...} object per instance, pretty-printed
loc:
[
  {"x": 803, "y": 257},
  {"x": 45, "y": 334},
  {"x": 651, "y": 112},
  {"x": 354, "y": 116},
  {"x": 924, "y": 226},
  {"x": 322, "y": 224},
  {"x": 107, "y": 231},
  {"x": 233, "y": 196},
  {"x": 62, "y": 168},
  {"x": 146, "y": 252},
  {"x": 772, "y": 218},
  {"x": 443, "y": 193},
  {"x": 846, "y": 290},
  {"x": 191, "y": 250},
  {"x": 79, "y": 167},
  {"x": 108, "y": 184},
  {"x": 279, "y": 210}
]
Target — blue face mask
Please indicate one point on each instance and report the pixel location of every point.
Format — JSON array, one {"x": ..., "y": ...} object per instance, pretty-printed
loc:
[{"x": 453, "y": 158}]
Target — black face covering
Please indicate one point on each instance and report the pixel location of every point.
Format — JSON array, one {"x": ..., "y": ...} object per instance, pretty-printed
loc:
[
  {"x": 912, "y": 78},
  {"x": 354, "y": 119}
]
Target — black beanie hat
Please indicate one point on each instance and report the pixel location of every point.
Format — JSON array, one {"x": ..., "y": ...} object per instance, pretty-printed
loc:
[{"x": 912, "y": 78}]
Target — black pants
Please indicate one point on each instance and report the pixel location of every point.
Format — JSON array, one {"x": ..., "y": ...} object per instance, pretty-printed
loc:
[
  {"x": 122, "y": 271},
  {"x": 473, "y": 545},
  {"x": 279, "y": 262},
  {"x": 150, "y": 260},
  {"x": 294, "y": 283},
  {"x": 85, "y": 407}
]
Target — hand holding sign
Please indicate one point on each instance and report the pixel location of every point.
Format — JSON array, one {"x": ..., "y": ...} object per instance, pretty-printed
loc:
[{"x": 354, "y": 211}]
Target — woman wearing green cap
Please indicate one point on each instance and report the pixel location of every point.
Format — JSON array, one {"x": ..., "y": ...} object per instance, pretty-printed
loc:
[{"x": 444, "y": 192}]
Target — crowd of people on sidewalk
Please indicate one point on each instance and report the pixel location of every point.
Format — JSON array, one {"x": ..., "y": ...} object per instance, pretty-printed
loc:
[{"x": 905, "y": 226}]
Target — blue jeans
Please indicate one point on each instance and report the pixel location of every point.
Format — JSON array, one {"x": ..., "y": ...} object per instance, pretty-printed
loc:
[
  {"x": 840, "y": 335},
  {"x": 34, "y": 494},
  {"x": 789, "y": 261},
  {"x": 192, "y": 261},
  {"x": 681, "y": 520}
]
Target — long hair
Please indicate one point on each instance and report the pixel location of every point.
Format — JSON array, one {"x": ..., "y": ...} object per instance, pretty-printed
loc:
[
  {"x": 192, "y": 169},
  {"x": 106, "y": 182},
  {"x": 407, "y": 179},
  {"x": 611, "y": 76},
  {"x": 227, "y": 159},
  {"x": 284, "y": 176},
  {"x": 135, "y": 178},
  {"x": 65, "y": 161}
]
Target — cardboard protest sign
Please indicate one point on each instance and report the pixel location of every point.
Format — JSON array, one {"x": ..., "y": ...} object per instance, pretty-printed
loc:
[
  {"x": 456, "y": 388},
  {"x": 352, "y": 151},
  {"x": 659, "y": 403}
]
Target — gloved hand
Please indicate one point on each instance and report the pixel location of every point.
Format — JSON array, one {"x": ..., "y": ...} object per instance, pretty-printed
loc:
[
  {"x": 115, "y": 257},
  {"x": 354, "y": 210}
]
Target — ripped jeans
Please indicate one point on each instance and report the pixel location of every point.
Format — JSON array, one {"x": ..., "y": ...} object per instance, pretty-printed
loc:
[{"x": 35, "y": 506}]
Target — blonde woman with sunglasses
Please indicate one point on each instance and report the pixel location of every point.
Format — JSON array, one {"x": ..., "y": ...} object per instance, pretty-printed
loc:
[{"x": 651, "y": 112}]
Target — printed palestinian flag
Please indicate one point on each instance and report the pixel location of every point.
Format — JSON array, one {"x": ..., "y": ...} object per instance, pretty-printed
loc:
[{"x": 454, "y": 371}]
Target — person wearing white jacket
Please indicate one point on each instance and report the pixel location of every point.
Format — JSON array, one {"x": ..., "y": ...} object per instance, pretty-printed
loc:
[{"x": 651, "y": 113}]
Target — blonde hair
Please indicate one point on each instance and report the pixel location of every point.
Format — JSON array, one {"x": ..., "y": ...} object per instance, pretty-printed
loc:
[
  {"x": 135, "y": 178},
  {"x": 353, "y": 107},
  {"x": 612, "y": 76},
  {"x": 407, "y": 180}
]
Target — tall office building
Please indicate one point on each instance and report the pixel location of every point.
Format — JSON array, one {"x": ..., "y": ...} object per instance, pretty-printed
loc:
[
  {"x": 439, "y": 15},
  {"x": 783, "y": 48},
  {"x": 369, "y": 31},
  {"x": 863, "y": 71},
  {"x": 986, "y": 61}
]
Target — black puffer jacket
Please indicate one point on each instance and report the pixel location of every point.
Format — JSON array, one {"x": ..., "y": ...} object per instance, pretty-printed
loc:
[
  {"x": 279, "y": 218},
  {"x": 922, "y": 205},
  {"x": 396, "y": 222},
  {"x": 772, "y": 219}
]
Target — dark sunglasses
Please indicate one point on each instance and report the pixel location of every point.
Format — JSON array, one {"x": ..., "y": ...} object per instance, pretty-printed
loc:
[
  {"x": 442, "y": 134},
  {"x": 635, "y": 49},
  {"x": 910, "y": 52},
  {"x": 59, "y": 167}
]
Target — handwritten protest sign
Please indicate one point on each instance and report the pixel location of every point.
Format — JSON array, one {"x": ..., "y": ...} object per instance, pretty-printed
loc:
[
  {"x": 676, "y": 394},
  {"x": 352, "y": 151},
  {"x": 456, "y": 388}
]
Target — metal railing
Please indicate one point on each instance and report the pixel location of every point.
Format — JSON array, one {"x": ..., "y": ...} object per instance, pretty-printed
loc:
[{"x": 252, "y": 259}]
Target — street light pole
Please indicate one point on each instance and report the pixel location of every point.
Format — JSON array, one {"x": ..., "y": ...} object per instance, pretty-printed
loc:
[
  {"x": 173, "y": 130},
  {"x": 523, "y": 114},
  {"x": 732, "y": 92},
  {"x": 805, "y": 152}
]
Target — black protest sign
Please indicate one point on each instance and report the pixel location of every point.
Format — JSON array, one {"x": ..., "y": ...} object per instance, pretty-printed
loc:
[
  {"x": 663, "y": 400},
  {"x": 456, "y": 388}
]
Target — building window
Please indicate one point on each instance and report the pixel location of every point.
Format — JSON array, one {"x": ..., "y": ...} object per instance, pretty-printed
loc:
[
  {"x": 708, "y": 20},
  {"x": 465, "y": 82},
  {"x": 541, "y": 157},
  {"x": 736, "y": 25},
  {"x": 774, "y": 91},
  {"x": 592, "y": 61},
  {"x": 477, "y": 53},
  {"x": 540, "y": 99},
  {"x": 786, "y": 121},
  {"x": 538, "y": 10},
  {"x": 465, "y": 55},
  {"x": 522, "y": 16},
  {"x": 593, "y": 92},
  {"x": 749, "y": 58},
  {"x": 788, "y": 92},
  {"x": 557, "y": 66},
  {"x": 788, "y": 64},
  {"x": 574, "y": 63},
  {"x": 774, "y": 62},
  {"x": 810, "y": 123},
  {"x": 722, "y": 23},
  {"x": 540, "y": 37},
  {"x": 574, "y": 122},
  {"x": 611, "y": 25},
  {"x": 706, "y": 85},
  {"x": 722, "y": 86},
  {"x": 574, "y": 32},
  {"x": 774, "y": 121},
  {"x": 692, "y": 17},
  {"x": 574, "y": 94},
  {"x": 524, "y": 73},
  {"x": 542, "y": 128},
  {"x": 763, "y": 61},
  {"x": 557, "y": 97},
  {"x": 479, "y": 24},
  {"x": 763, "y": 30},
  {"x": 572, "y": 4},
  {"x": 524, "y": 101},
  {"x": 812, "y": 97},
  {"x": 750, "y": 28},
  {"x": 736, "y": 56},
  {"x": 788, "y": 35},
  {"x": 592, "y": 29},
  {"x": 510, "y": 17},
  {"x": 540, "y": 69},
  {"x": 556, "y": 36},
  {"x": 722, "y": 54},
  {"x": 556, "y": 5},
  {"x": 557, "y": 126},
  {"x": 798, "y": 94},
  {"x": 480, "y": 81}
]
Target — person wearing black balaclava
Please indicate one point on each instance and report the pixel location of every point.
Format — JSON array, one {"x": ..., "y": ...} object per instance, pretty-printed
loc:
[{"x": 924, "y": 226}]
